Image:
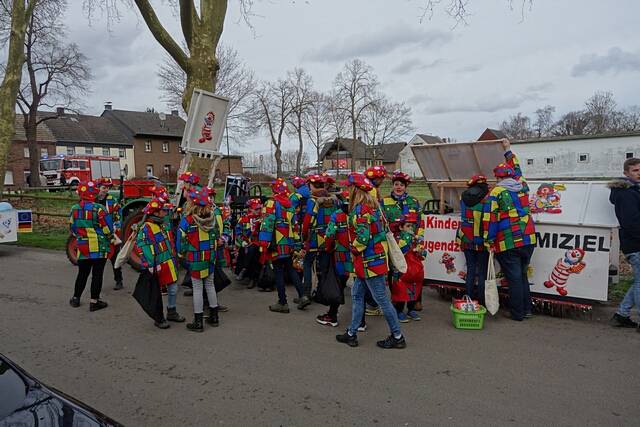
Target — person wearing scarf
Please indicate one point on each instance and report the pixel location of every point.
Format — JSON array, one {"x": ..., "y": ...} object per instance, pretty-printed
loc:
[
  {"x": 278, "y": 240},
  {"x": 155, "y": 247},
  {"x": 114, "y": 211},
  {"x": 625, "y": 196},
  {"x": 470, "y": 235},
  {"x": 90, "y": 224},
  {"x": 508, "y": 230},
  {"x": 197, "y": 242}
]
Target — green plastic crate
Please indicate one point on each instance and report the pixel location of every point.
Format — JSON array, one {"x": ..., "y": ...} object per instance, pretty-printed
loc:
[{"x": 468, "y": 320}]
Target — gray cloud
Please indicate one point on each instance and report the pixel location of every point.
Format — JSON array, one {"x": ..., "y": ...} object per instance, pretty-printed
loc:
[
  {"x": 615, "y": 60},
  {"x": 470, "y": 68},
  {"x": 541, "y": 87},
  {"x": 409, "y": 65},
  {"x": 378, "y": 43},
  {"x": 489, "y": 104}
]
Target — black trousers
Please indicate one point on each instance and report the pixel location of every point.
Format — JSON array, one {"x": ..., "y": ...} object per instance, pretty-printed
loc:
[{"x": 95, "y": 267}]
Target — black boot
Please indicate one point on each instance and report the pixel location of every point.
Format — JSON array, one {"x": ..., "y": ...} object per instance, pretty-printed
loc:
[
  {"x": 197, "y": 325},
  {"x": 162, "y": 323},
  {"x": 118, "y": 286},
  {"x": 213, "y": 319},
  {"x": 173, "y": 316}
]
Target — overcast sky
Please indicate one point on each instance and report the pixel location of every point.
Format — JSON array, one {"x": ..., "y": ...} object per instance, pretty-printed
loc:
[{"x": 458, "y": 81}]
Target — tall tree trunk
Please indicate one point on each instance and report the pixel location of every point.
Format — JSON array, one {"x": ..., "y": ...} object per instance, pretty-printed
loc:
[
  {"x": 11, "y": 81},
  {"x": 278, "y": 157},
  {"x": 318, "y": 155},
  {"x": 31, "y": 132},
  {"x": 299, "y": 156}
]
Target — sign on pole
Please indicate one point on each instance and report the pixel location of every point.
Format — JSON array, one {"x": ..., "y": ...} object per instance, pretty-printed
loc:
[{"x": 205, "y": 124}]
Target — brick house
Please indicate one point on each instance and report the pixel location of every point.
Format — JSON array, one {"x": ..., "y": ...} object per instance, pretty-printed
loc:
[
  {"x": 342, "y": 153},
  {"x": 18, "y": 160},
  {"x": 156, "y": 140}
]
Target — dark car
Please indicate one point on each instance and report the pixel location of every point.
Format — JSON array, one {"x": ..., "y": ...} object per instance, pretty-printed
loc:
[{"x": 25, "y": 401}]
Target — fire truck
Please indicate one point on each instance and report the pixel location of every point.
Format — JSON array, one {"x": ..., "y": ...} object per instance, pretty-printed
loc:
[{"x": 62, "y": 170}]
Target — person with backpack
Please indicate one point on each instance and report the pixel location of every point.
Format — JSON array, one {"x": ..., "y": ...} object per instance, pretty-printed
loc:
[
  {"x": 90, "y": 224},
  {"x": 470, "y": 235},
  {"x": 156, "y": 249},
  {"x": 625, "y": 196},
  {"x": 366, "y": 237},
  {"x": 278, "y": 240},
  {"x": 197, "y": 242}
]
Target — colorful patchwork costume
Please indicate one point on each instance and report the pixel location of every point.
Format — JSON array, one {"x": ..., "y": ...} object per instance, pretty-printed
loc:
[{"x": 90, "y": 224}]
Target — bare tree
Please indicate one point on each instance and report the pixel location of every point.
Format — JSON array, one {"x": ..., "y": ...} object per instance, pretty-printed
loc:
[
  {"x": 544, "y": 120},
  {"x": 56, "y": 75},
  {"x": 302, "y": 90},
  {"x": 600, "y": 108},
  {"x": 572, "y": 123},
  {"x": 318, "y": 123},
  {"x": 275, "y": 101},
  {"x": 385, "y": 122},
  {"x": 290, "y": 161},
  {"x": 355, "y": 88},
  {"x": 627, "y": 120},
  {"x": 236, "y": 81},
  {"x": 517, "y": 127},
  {"x": 14, "y": 16}
]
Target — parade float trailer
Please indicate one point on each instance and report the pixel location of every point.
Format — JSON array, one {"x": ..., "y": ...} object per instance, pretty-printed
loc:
[{"x": 576, "y": 228}]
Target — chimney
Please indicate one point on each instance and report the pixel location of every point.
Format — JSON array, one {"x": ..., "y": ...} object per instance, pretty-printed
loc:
[
  {"x": 107, "y": 106},
  {"x": 174, "y": 113},
  {"x": 60, "y": 111}
]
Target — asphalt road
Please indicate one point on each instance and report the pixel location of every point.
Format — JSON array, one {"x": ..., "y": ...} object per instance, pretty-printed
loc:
[{"x": 262, "y": 368}]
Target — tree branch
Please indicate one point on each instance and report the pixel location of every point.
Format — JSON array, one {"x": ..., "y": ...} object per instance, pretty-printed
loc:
[
  {"x": 187, "y": 16},
  {"x": 161, "y": 34}
]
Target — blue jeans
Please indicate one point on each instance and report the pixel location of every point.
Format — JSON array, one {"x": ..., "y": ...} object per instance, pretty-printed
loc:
[
  {"x": 282, "y": 266},
  {"x": 378, "y": 289},
  {"x": 477, "y": 262},
  {"x": 633, "y": 294},
  {"x": 514, "y": 264},
  {"x": 172, "y": 292},
  {"x": 323, "y": 259}
]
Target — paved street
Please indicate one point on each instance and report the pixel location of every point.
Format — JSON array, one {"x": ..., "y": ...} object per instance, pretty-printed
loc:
[{"x": 262, "y": 368}]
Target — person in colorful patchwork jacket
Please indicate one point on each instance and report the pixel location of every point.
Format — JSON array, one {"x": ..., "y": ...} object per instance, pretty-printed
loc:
[
  {"x": 470, "y": 235},
  {"x": 337, "y": 245},
  {"x": 114, "y": 210},
  {"x": 366, "y": 237},
  {"x": 155, "y": 247},
  {"x": 90, "y": 224},
  {"x": 198, "y": 237},
  {"x": 509, "y": 231},
  {"x": 320, "y": 206},
  {"x": 278, "y": 240},
  {"x": 247, "y": 233}
]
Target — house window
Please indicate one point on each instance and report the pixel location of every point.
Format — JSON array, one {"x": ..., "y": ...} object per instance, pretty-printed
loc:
[
  {"x": 629, "y": 155},
  {"x": 583, "y": 158},
  {"x": 549, "y": 160},
  {"x": 122, "y": 153},
  {"x": 165, "y": 147},
  {"x": 88, "y": 150},
  {"x": 44, "y": 152},
  {"x": 368, "y": 163},
  {"x": 149, "y": 170},
  {"x": 166, "y": 170},
  {"x": 147, "y": 146},
  {"x": 8, "y": 177},
  {"x": 71, "y": 151},
  {"x": 26, "y": 152},
  {"x": 529, "y": 162},
  {"x": 105, "y": 151}
]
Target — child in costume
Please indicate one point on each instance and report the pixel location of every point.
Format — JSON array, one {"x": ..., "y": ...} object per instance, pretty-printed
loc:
[
  {"x": 155, "y": 247},
  {"x": 247, "y": 239},
  {"x": 406, "y": 287},
  {"x": 197, "y": 242},
  {"x": 91, "y": 226},
  {"x": 114, "y": 211},
  {"x": 278, "y": 241}
]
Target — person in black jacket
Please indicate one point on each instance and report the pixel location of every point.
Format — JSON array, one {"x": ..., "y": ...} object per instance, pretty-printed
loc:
[{"x": 625, "y": 195}]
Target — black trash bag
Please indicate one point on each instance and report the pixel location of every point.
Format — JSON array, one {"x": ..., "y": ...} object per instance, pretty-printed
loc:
[
  {"x": 240, "y": 261},
  {"x": 267, "y": 278},
  {"x": 329, "y": 291},
  {"x": 147, "y": 293},
  {"x": 220, "y": 278}
]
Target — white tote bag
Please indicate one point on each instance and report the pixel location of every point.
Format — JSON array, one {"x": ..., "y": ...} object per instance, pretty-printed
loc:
[
  {"x": 125, "y": 251},
  {"x": 395, "y": 254},
  {"x": 491, "y": 298}
]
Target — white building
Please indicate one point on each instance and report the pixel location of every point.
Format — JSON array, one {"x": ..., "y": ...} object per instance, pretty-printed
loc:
[
  {"x": 579, "y": 156},
  {"x": 408, "y": 163}
]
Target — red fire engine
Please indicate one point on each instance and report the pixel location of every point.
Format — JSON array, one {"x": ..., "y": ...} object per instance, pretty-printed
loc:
[{"x": 63, "y": 169}]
